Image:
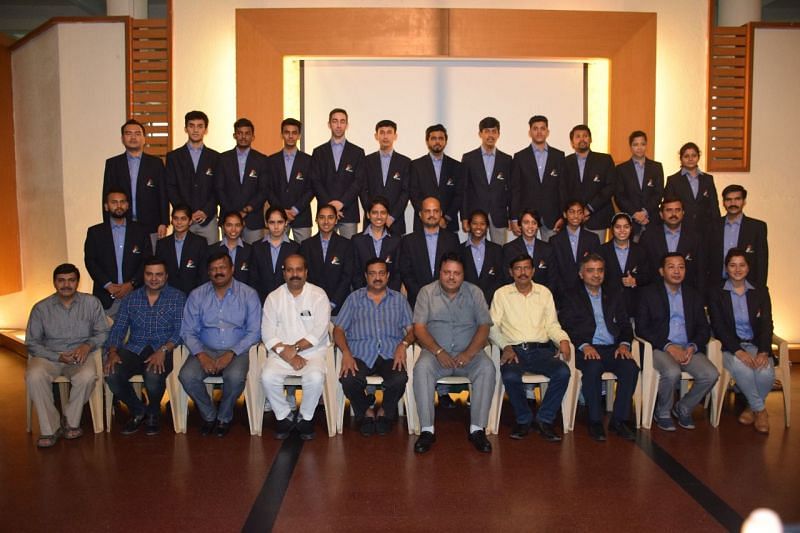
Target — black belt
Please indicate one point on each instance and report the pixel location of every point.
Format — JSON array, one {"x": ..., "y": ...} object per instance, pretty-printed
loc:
[{"x": 531, "y": 345}]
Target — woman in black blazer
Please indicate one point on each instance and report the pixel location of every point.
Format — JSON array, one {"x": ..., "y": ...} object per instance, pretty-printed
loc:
[
  {"x": 741, "y": 317},
  {"x": 636, "y": 272},
  {"x": 701, "y": 207}
]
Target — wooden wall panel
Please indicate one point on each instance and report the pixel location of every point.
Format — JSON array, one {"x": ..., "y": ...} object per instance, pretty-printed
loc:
[
  {"x": 11, "y": 280},
  {"x": 628, "y": 40}
]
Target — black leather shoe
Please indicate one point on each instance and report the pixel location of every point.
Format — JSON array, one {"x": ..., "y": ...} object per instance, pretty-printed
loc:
[
  {"x": 208, "y": 427},
  {"x": 152, "y": 426},
  {"x": 284, "y": 428},
  {"x": 597, "y": 432},
  {"x": 367, "y": 426},
  {"x": 383, "y": 425},
  {"x": 306, "y": 429},
  {"x": 622, "y": 429},
  {"x": 222, "y": 429},
  {"x": 424, "y": 442},
  {"x": 520, "y": 431},
  {"x": 479, "y": 440},
  {"x": 546, "y": 431},
  {"x": 133, "y": 425}
]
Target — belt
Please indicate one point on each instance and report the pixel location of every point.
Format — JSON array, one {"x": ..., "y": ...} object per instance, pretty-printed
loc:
[{"x": 531, "y": 345}]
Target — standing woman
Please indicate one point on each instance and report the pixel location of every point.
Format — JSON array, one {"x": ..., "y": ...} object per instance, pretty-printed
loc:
[
  {"x": 270, "y": 252},
  {"x": 695, "y": 189},
  {"x": 627, "y": 264},
  {"x": 741, "y": 317}
]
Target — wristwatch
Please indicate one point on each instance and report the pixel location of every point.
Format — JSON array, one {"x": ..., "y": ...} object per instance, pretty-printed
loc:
[
  {"x": 405, "y": 343},
  {"x": 297, "y": 348},
  {"x": 279, "y": 350}
]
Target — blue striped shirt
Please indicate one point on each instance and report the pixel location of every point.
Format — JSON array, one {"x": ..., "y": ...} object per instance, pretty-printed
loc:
[
  {"x": 150, "y": 325},
  {"x": 374, "y": 330}
]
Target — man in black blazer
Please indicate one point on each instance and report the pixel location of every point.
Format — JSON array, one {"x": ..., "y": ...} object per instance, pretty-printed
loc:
[
  {"x": 536, "y": 174},
  {"x": 421, "y": 251},
  {"x": 570, "y": 246},
  {"x": 240, "y": 252},
  {"x": 483, "y": 260},
  {"x": 545, "y": 269},
  {"x": 386, "y": 173},
  {"x": 335, "y": 174},
  {"x": 672, "y": 318},
  {"x": 487, "y": 181},
  {"x": 437, "y": 175},
  {"x": 290, "y": 181},
  {"x": 695, "y": 189},
  {"x": 376, "y": 242},
  {"x": 242, "y": 181},
  {"x": 330, "y": 259},
  {"x": 270, "y": 252},
  {"x": 601, "y": 346},
  {"x": 590, "y": 177},
  {"x": 115, "y": 252},
  {"x": 640, "y": 185},
  {"x": 141, "y": 177},
  {"x": 736, "y": 230},
  {"x": 190, "y": 177},
  {"x": 675, "y": 236},
  {"x": 183, "y": 252}
]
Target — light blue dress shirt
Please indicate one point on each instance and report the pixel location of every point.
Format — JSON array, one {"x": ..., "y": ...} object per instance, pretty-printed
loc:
[
  {"x": 601, "y": 337},
  {"x": 431, "y": 240},
  {"x": 581, "y": 165},
  {"x": 133, "y": 172},
  {"x": 337, "y": 149},
  {"x": 437, "y": 167},
  {"x": 677, "y": 319},
  {"x": 288, "y": 163},
  {"x": 386, "y": 158},
  {"x": 118, "y": 234},
  {"x": 639, "y": 168},
  {"x": 241, "y": 157},
  {"x": 488, "y": 164},
  {"x": 672, "y": 238},
  {"x": 541, "y": 160},
  {"x": 573, "y": 241},
  {"x": 741, "y": 316},
  {"x": 179, "y": 248},
  {"x": 478, "y": 253},
  {"x": 730, "y": 239},
  {"x": 194, "y": 153},
  {"x": 622, "y": 256},
  {"x": 694, "y": 181}
]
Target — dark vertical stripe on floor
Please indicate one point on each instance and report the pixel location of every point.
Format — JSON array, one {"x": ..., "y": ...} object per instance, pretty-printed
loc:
[
  {"x": 704, "y": 496},
  {"x": 268, "y": 502}
]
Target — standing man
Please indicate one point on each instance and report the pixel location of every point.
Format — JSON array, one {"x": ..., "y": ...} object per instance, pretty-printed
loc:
[
  {"x": 671, "y": 317},
  {"x": 451, "y": 324},
  {"x": 590, "y": 178},
  {"x": 290, "y": 181},
  {"x": 487, "y": 177},
  {"x": 183, "y": 252},
  {"x": 536, "y": 174},
  {"x": 145, "y": 331},
  {"x": 329, "y": 259},
  {"x": 114, "y": 253},
  {"x": 483, "y": 260},
  {"x": 386, "y": 173},
  {"x": 141, "y": 177},
  {"x": 221, "y": 322},
  {"x": 526, "y": 329},
  {"x": 640, "y": 185},
  {"x": 421, "y": 251},
  {"x": 571, "y": 246},
  {"x": 373, "y": 331},
  {"x": 63, "y": 329},
  {"x": 544, "y": 261},
  {"x": 190, "y": 177},
  {"x": 437, "y": 175},
  {"x": 242, "y": 181},
  {"x": 597, "y": 321},
  {"x": 295, "y": 331},
  {"x": 335, "y": 174},
  {"x": 736, "y": 230}
]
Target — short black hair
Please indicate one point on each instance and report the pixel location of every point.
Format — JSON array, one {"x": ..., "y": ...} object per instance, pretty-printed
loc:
[
  {"x": 451, "y": 256},
  {"x": 292, "y": 122},
  {"x": 532, "y": 212},
  {"x": 574, "y": 201},
  {"x": 182, "y": 207},
  {"x": 218, "y": 255},
  {"x": 195, "y": 115},
  {"x": 275, "y": 209},
  {"x": 337, "y": 110},
  {"x": 671, "y": 254},
  {"x": 488, "y": 123},
  {"x": 66, "y": 268},
  {"x": 689, "y": 146},
  {"x": 229, "y": 214},
  {"x": 479, "y": 213},
  {"x": 669, "y": 200},
  {"x": 244, "y": 123},
  {"x": 538, "y": 118},
  {"x": 592, "y": 257},
  {"x": 736, "y": 252},
  {"x": 579, "y": 127},
  {"x": 385, "y": 123},
  {"x": 325, "y": 206},
  {"x": 116, "y": 190},
  {"x": 734, "y": 188},
  {"x": 519, "y": 258},
  {"x": 635, "y": 134},
  {"x": 132, "y": 122},
  {"x": 374, "y": 261},
  {"x": 378, "y": 200},
  {"x": 155, "y": 260},
  {"x": 435, "y": 127}
]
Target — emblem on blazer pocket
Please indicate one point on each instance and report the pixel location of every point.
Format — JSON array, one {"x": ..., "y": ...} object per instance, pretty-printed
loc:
[
  {"x": 335, "y": 260},
  {"x": 396, "y": 176},
  {"x": 388, "y": 260},
  {"x": 500, "y": 176},
  {"x": 705, "y": 194},
  {"x": 491, "y": 271},
  {"x": 758, "y": 313},
  {"x": 348, "y": 167},
  {"x": 150, "y": 183},
  {"x": 554, "y": 173},
  {"x": 209, "y": 171},
  {"x": 688, "y": 257},
  {"x": 190, "y": 264},
  {"x": 635, "y": 270},
  {"x": 299, "y": 176},
  {"x": 244, "y": 267},
  {"x": 449, "y": 182},
  {"x": 749, "y": 249},
  {"x": 650, "y": 183},
  {"x": 253, "y": 174},
  {"x": 596, "y": 178},
  {"x": 136, "y": 249},
  {"x": 542, "y": 264}
]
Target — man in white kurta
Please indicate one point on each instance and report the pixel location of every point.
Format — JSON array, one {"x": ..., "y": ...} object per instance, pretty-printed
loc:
[{"x": 294, "y": 329}]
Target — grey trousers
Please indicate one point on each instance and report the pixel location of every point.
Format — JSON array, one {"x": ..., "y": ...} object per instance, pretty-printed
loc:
[
  {"x": 546, "y": 233},
  {"x": 480, "y": 372},
  {"x": 210, "y": 231},
  {"x": 347, "y": 229},
  {"x": 702, "y": 370},
  {"x": 300, "y": 234},
  {"x": 497, "y": 235},
  {"x": 39, "y": 377},
  {"x": 252, "y": 235}
]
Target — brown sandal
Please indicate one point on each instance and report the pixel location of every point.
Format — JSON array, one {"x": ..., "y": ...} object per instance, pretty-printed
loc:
[
  {"x": 73, "y": 433},
  {"x": 48, "y": 441}
]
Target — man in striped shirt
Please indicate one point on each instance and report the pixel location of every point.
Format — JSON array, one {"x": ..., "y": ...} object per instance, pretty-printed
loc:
[{"x": 373, "y": 330}]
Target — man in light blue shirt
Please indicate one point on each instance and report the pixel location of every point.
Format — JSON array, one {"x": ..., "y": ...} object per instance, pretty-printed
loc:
[{"x": 221, "y": 321}]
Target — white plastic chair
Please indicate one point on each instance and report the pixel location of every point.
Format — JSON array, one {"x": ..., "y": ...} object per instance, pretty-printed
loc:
[
  {"x": 569, "y": 404},
  {"x": 95, "y": 400},
  {"x": 782, "y": 375},
  {"x": 650, "y": 378}
]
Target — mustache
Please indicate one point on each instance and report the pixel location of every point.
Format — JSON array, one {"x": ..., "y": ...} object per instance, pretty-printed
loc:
[{"x": 295, "y": 278}]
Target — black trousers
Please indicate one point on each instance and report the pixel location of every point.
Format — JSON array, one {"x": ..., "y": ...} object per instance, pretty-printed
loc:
[{"x": 394, "y": 384}]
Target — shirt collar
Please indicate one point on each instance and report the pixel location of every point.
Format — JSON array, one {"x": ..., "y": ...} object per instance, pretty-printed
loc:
[
  {"x": 386, "y": 155},
  {"x": 489, "y": 153},
  {"x": 224, "y": 243},
  {"x": 729, "y": 285},
  {"x": 131, "y": 156},
  {"x": 685, "y": 172},
  {"x": 599, "y": 292},
  {"x": 544, "y": 150},
  {"x": 334, "y": 143},
  {"x": 735, "y": 222},
  {"x": 436, "y": 159},
  {"x": 679, "y": 292},
  {"x": 118, "y": 225},
  {"x": 193, "y": 149}
]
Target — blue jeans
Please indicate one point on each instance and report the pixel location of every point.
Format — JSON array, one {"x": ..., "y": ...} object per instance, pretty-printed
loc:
[
  {"x": 233, "y": 378},
  {"x": 539, "y": 360},
  {"x": 755, "y": 384},
  {"x": 154, "y": 384},
  {"x": 592, "y": 384}
]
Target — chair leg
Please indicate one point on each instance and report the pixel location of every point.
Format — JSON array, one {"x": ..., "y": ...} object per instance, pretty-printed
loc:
[
  {"x": 109, "y": 406},
  {"x": 29, "y": 408}
]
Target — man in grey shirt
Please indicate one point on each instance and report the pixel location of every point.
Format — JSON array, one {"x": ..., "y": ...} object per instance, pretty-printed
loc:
[
  {"x": 451, "y": 323},
  {"x": 63, "y": 329}
]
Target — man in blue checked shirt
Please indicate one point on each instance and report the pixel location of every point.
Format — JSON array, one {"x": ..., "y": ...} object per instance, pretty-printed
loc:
[
  {"x": 152, "y": 314},
  {"x": 221, "y": 321},
  {"x": 373, "y": 330}
]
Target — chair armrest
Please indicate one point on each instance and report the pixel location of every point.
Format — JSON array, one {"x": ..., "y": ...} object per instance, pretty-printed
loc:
[
  {"x": 714, "y": 353},
  {"x": 636, "y": 352},
  {"x": 783, "y": 352}
]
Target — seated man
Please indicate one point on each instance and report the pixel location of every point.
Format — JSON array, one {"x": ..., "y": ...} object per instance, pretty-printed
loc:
[
  {"x": 597, "y": 322},
  {"x": 295, "y": 322},
  {"x": 220, "y": 323},
  {"x": 526, "y": 327},
  {"x": 373, "y": 330},
  {"x": 451, "y": 323},
  {"x": 152, "y": 314},
  {"x": 62, "y": 330},
  {"x": 671, "y": 317}
]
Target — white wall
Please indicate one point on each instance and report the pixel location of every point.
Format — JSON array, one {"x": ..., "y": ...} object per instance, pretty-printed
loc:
[{"x": 69, "y": 101}]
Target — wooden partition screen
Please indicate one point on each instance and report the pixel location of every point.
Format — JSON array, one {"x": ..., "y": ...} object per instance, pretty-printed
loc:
[
  {"x": 11, "y": 280},
  {"x": 627, "y": 40}
]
